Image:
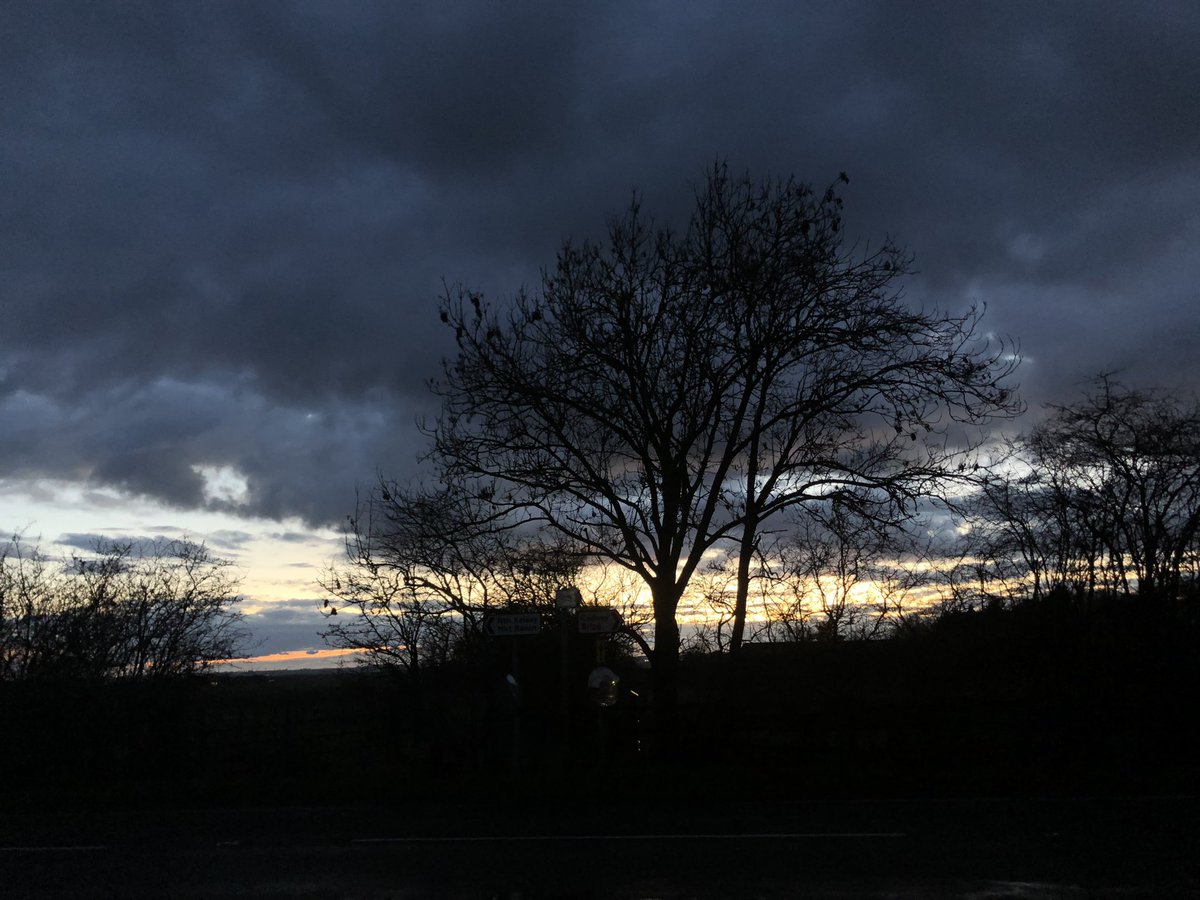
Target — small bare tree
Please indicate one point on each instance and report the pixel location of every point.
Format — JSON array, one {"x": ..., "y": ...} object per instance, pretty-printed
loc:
[
  {"x": 835, "y": 576},
  {"x": 126, "y": 610},
  {"x": 31, "y": 596},
  {"x": 714, "y": 590},
  {"x": 423, "y": 569},
  {"x": 1106, "y": 498}
]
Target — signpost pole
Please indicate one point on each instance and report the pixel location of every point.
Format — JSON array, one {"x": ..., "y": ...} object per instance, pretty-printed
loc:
[
  {"x": 601, "y": 711},
  {"x": 513, "y": 625},
  {"x": 517, "y": 711},
  {"x": 566, "y": 689},
  {"x": 565, "y": 600}
]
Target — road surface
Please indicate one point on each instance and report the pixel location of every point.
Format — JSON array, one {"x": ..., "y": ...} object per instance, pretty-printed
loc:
[{"x": 976, "y": 848}]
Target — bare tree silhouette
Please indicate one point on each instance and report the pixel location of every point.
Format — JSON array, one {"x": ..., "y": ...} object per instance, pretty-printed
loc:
[
  {"x": 425, "y": 565},
  {"x": 1103, "y": 495},
  {"x": 124, "y": 611},
  {"x": 664, "y": 392}
]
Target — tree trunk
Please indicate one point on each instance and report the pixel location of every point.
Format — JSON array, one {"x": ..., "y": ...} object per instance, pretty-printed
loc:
[
  {"x": 745, "y": 558},
  {"x": 665, "y": 672},
  {"x": 746, "y": 550}
]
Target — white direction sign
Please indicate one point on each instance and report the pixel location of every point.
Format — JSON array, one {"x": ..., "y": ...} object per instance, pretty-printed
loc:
[
  {"x": 598, "y": 620},
  {"x": 512, "y": 624}
]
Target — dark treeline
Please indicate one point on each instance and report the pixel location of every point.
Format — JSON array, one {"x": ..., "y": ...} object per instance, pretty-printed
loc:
[{"x": 1047, "y": 697}]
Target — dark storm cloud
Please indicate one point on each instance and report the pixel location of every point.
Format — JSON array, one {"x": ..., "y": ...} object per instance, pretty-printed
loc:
[
  {"x": 91, "y": 543},
  {"x": 224, "y": 541},
  {"x": 294, "y": 537},
  {"x": 156, "y": 439},
  {"x": 223, "y": 227},
  {"x": 227, "y": 540}
]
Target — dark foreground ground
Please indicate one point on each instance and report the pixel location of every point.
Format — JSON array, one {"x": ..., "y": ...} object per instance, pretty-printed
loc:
[
  {"x": 848, "y": 769},
  {"x": 518, "y": 848}
]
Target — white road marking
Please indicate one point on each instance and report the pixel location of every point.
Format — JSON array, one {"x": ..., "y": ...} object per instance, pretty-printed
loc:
[{"x": 627, "y": 837}]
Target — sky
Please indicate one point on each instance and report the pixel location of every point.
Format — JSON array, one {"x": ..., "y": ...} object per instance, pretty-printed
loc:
[{"x": 225, "y": 227}]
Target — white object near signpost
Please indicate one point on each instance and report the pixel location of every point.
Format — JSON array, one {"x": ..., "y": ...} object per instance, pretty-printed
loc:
[
  {"x": 598, "y": 620},
  {"x": 567, "y": 598},
  {"x": 512, "y": 624}
]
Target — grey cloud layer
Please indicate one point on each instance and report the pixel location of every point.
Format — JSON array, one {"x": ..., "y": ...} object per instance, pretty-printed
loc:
[{"x": 224, "y": 227}]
